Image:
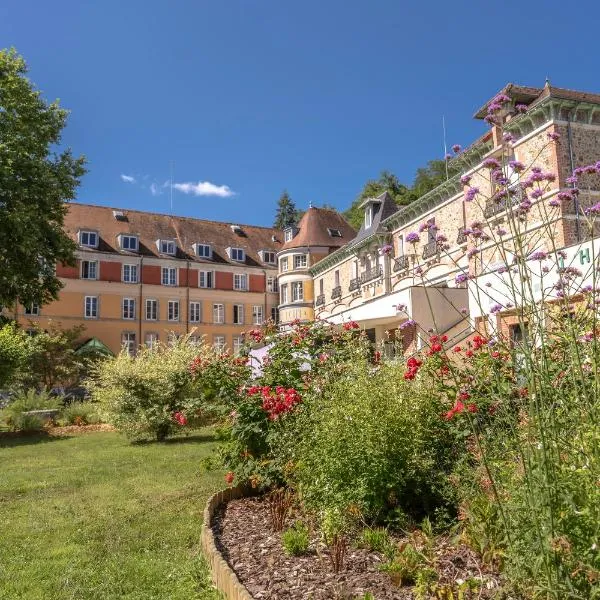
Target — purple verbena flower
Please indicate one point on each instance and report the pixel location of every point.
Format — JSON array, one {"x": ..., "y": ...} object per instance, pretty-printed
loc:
[
  {"x": 412, "y": 237},
  {"x": 552, "y": 135},
  {"x": 491, "y": 163},
  {"x": 537, "y": 193},
  {"x": 465, "y": 179},
  {"x": 456, "y": 148},
  {"x": 521, "y": 108},
  {"x": 516, "y": 165},
  {"x": 407, "y": 324},
  {"x": 473, "y": 252},
  {"x": 509, "y": 137},
  {"x": 538, "y": 255},
  {"x": 564, "y": 196},
  {"x": 496, "y": 308},
  {"x": 471, "y": 193},
  {"x": 500, "y": 231},
  {"x": 554, "y": 203},
  {"x": 461, "y": 278},
  {"x": 572, "y": 180},
  {"x": 593, "y": 210}
]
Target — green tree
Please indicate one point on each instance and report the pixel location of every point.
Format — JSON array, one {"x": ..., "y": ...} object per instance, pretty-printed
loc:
[
  {"x": 36, "y": 179},
  {"x": 15, "y": 353},
  {"x": 286, "y": 214}
]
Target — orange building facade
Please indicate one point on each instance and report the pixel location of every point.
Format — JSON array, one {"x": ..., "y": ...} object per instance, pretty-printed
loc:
[{"x": 142, "y": 277}]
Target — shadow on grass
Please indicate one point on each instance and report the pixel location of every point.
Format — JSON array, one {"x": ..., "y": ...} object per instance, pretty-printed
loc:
[
  {"x": 9, "y": 439},
  {"x": 188, "y": 439}
]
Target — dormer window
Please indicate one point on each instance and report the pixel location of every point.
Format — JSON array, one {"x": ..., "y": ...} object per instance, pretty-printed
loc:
[
  {"x": 236, "y": 254},
  {"x": 203, "y": 250},
  {"x": 88, "y": 238},
  {"x": 166, "y": 247},
  {"x": 288, "y": 234},
  {"x": 267, "y": 256},
  {"x": 129, "y": 242},
  {"x": 368, "y": 216},
  {"x": 334, "y": 232}
]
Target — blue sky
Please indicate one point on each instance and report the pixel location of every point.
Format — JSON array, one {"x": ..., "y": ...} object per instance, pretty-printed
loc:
[{"x": 248, "y": 97}]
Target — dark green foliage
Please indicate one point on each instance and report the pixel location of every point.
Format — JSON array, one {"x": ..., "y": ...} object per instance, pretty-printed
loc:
[
  {"x": 295, "y": 540},
  {"x": 35, "y": 182},
  {"x": 286, "y": 214}
]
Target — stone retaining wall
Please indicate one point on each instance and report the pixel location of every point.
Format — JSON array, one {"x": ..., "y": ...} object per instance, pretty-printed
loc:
[{"x": 222, "y": 574}]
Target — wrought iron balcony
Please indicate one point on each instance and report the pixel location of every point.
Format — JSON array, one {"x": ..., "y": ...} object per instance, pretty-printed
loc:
[
  {"x": 370, "y": 274},
  {"x": 336, "y": 292},
  {"x": 493, "y": 207},
  {"x": 462, "y": 236},
  {"x": 320, "y": 300},
  {"x": 430, "y": 249},
  {"x": 401, "y": 263},
  {"x": 354, "y": 284}
]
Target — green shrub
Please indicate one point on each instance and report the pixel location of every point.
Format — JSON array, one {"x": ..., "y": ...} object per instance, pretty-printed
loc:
[
  {"x": 80, "y": 413},
  {"x": 15, "y": 352},
  {"x": 376, "y": 540},
  {"x": 25, "y": 422},
  {"x": 14, "y": 413},
  {"x": 296, "y": 539}
]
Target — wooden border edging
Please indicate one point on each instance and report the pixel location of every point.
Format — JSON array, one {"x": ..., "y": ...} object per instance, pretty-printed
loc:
[{"x": 223, "y": 575}]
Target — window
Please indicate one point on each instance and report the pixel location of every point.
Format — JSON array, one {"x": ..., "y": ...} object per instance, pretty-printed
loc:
[
  {"x": 203, "y": 251},
  {"x": 151, "y": 340},
  {"x": 400, "y": 246},
  {"x": 334, "y": 232},
  {"x": 167, "y": 247},
  {"x": 368, "y": 216},
  {"x": 169, "y": 276},
  {"x": 205, "y": 279},
  {"x": 321, "y": 287},
  {"x": 195, "y": 312},
  {"x": 129, "y": 242},
  {"x": 275, "y": 314},
  {"x": 431, "y": 231},
  {"x": 288, "y": 234},
  {"x": 88, "y": 238},
  {"x": 128, "y": 342},
  {"x": 284, "y": 293},
  {"x": 271, "y": 283},
  {"x": 218, "y": 313},
  {"x": 151, "y": 309},
  {"x": 91, "y": 307},
  {"x": 129, "y": 308},
  {"x": 336, "y": 278},
  {"x": 89, "y": 269},
  {"x": 130, "y": 273},
  {"x": 173, "y": 310},
  {"x": 237, "y": 254},
  {"x": 283, "y": 264},
  {"x": 258, "y": 315},
  {"x": 268, "y": 257},
  {"x": 238, "y": 342},
  {"x": 240, "y": 281},
  {"x": 219, "y": 343},
  {"x": 297, "y": 291},
  {"x": 238, "y": 314},
  {"x": 194, "y": 340},
  {"x": 300, "y": 261}
]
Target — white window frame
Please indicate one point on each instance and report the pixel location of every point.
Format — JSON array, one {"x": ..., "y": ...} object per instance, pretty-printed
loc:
[
  {"x": 89, "y": 263},
  {"x": 128, "y": 309},
  {"x": 218, "y": 313},
  {"x": 300, "y": 261},
  {"x": 128, "y": 278},
  {"x": 126, "y": 236},
  {"x": 238, "y": 314},
  {"x": 90, "y": 314},
  {"x": 195, "y": 311},
  {"x": 150, "y": 339},
  {"x": 258, "y": 314},
  {"x": 272, "y": 284},
  {"x": 284, "y": 264},
  {"x": 219, "y": 342},
  {"x": 167, "y": 247},
  {"x": 238, "y": 343},
  {"x": 297, "y": 286},
  {"x": 283, "y": 291},
  {"x": 288, "y": 234},
  {"x": 240, "y": 282},
  {"x": 239, "y": 252},
  {"x": 206, "y": 251},
  {"x": 154, "y": 303},
  {"x": 268, "y": 256},
  {"x": 88, "y": 233},
  {"x": 206, "y": 275},
  {"x": 33, "y": 310},
  {"x": 368, "y": 216},
  {"x": 170, "y": 281},
  {"x": 128, "y": 340},
  {"x": 173, "y": 311}
]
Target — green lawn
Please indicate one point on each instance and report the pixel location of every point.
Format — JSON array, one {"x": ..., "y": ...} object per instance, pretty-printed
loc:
[{"x": 93, "y": 516}]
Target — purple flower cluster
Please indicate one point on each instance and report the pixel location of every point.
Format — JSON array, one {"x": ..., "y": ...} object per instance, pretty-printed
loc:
[
  {"x": 539, "y": 255},
  {"x": 461, "y": 278},
  {"x": 496, "y": 308},
  {"x": 456, "y": 148},
  {"x": 473, "y": 252},
  {"x": 471, "y": 193},
  {"x": 491, "y": 163},
  {"x": 407, "y": 324},
  {"x": 552, "y": 135},
  {"x": 465, "y": 179},
  {"x": 521, "y": 108},
  {"x": 500, "y": 231},
  {"x": 386, "y": 249},
  {"x": 412, "y": 237},
  {"x": 509, "y": 138},
  {"x": 593, "y": 210},
  {"x": 516, "y": 166}
]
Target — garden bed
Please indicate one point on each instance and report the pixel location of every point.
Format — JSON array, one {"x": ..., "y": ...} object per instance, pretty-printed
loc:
[{"x": 244, "y": 536}]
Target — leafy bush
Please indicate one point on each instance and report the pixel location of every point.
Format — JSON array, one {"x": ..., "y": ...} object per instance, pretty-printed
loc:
[
  {"x": 296, "y": 539},
  {"x": 15, "y": 352},
  {"x": 25, "y": 422},
  {"x": 80, "y": 413},
  {"x": 376, "y": 540},
  {"x": 164, "y": 389},
  {"x": 15, "y": 413}
]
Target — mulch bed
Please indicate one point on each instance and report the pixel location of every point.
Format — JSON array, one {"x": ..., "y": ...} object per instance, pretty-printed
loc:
[{"x": 244, "y": 537}]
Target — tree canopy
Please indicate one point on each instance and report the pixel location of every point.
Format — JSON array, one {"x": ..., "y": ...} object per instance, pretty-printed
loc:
[
  {"x": 36, "y": 181},
  {"x": 426, "y": 178},
  {"x": 286, "y": 214}
]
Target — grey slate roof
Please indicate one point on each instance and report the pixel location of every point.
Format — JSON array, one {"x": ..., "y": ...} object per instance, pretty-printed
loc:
[{"x": 383, "y": 207}]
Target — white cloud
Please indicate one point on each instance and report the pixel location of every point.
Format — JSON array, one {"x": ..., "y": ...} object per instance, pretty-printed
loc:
[
  {"x": 128, "y": 178},
  {"x": 155, "y": 189},
  {"x": 204, "y": 188}
]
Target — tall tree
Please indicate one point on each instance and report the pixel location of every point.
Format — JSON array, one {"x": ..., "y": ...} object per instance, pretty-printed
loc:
[
  {"x": 286, "y": 214},
  {"x": 36, "y": 179}
]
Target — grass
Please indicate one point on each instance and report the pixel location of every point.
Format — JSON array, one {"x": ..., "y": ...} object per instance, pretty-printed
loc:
[{"x": 92, "y": 516}]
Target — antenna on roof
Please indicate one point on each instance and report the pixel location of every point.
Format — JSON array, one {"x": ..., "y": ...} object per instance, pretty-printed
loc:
[{"x": 445, "y": 146}]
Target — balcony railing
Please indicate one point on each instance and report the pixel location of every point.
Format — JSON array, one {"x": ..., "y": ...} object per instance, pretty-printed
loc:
[
  {"x": 461, "y": 238},
  {"x": 370, "y": 274},
  {"x": 354, "y": 284},
  {"x": 493, "y": 207},
  {"x": 430, "y": 249},
  {"x": 320, "y": 300},
  {"x": 336, "y": 292},
  {"x": 401, "y": 263}
]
